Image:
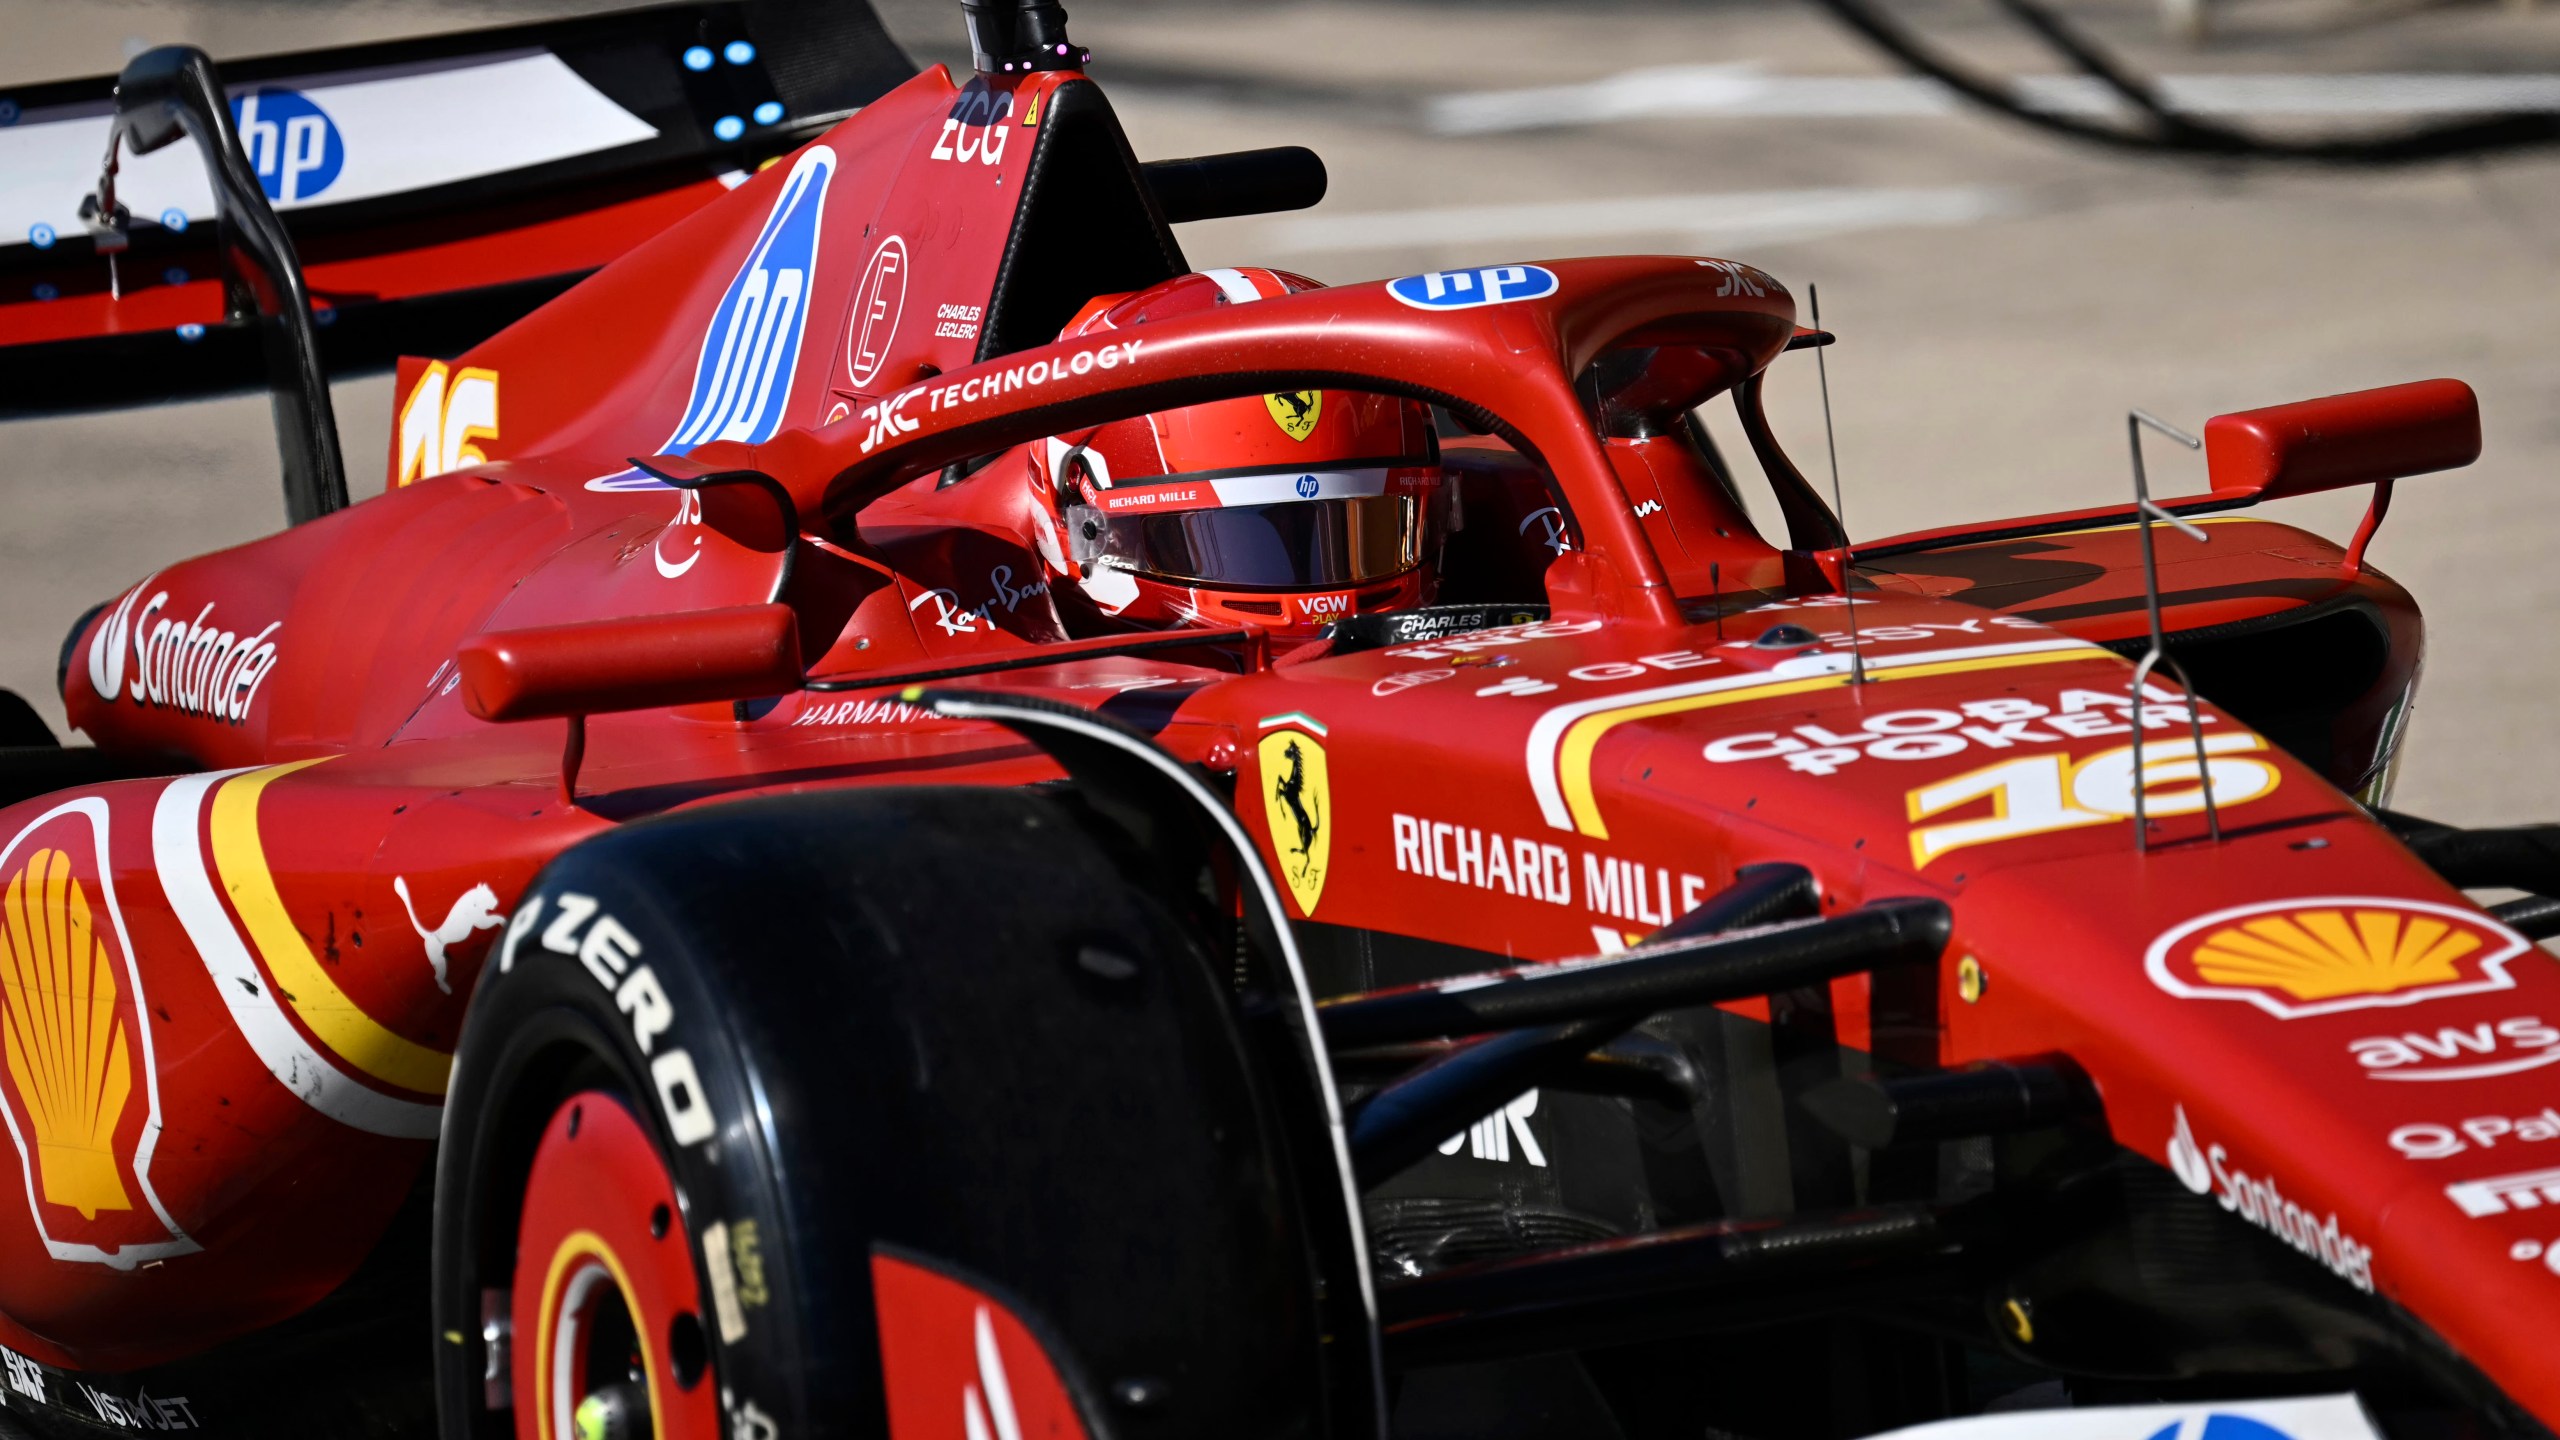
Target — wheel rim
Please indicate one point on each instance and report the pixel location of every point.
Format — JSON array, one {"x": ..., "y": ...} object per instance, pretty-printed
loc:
[{"x": 607, "y": 1313}]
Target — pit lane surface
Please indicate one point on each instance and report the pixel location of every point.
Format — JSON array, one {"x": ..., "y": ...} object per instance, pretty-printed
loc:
[{"x": 2002, "y": 297}]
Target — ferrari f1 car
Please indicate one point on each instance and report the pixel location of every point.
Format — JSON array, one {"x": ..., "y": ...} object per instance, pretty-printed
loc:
[{"x": 905, "y": 818}]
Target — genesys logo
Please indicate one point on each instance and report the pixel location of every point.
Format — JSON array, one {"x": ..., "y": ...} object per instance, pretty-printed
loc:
[
  {"x": 195, "y": 666},
  {"x": 292, "y": 143},
  {"x": 750, "y": 350},
  {"x": 2208, "y": 1170},
  {"x": 2459, "y": 1052},
  {"x": 2320, "y": 955}
]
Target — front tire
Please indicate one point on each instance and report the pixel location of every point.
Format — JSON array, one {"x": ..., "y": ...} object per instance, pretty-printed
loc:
[{"x": 870, "y": 1037}]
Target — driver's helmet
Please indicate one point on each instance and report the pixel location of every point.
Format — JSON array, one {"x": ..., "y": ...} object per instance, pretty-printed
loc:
[{"x": 1287, "y": 511}]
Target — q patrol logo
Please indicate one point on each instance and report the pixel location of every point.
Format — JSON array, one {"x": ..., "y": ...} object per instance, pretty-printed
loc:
[
  {"x": 1297, "y": 798},
  {"x": 77, "y": 1083},
  {"x": 1467, "y": 289},
  {"x": 2297, "y": 958},
  {"x": 290, "y": 142},
  {"x": 1296, "y": 411},
  {"x": 750, "y": 350}
]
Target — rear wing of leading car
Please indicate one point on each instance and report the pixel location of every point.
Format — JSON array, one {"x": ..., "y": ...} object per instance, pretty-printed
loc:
[{"x": 435, "y": 189}]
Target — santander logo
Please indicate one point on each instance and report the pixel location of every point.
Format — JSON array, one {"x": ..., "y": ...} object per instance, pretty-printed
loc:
[{"x": 193, "y": 666}]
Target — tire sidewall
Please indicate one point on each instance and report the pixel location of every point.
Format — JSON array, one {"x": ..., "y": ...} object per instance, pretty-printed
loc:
[{"x": 545, "y": 1025}]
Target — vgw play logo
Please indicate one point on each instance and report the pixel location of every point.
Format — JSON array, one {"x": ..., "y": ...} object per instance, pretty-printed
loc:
[
  {"x": 293, "y": 144},
  {"x": 742, "y": 378}
]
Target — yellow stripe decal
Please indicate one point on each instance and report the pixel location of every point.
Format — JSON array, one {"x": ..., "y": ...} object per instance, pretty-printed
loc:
[
  {"x": 340, "y": 1024},
  {"x": 1573, "y": 756}
]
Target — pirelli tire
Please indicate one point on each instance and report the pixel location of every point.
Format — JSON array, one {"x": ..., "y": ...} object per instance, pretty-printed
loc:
[{"x": 932, "y": 1026}]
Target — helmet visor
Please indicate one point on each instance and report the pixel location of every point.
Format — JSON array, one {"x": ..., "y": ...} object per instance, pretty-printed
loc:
[{"x": 1304, "y": 544}]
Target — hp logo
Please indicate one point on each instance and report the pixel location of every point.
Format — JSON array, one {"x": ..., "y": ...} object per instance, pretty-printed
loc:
[
  {"x": 290, "y": 142},
  {"x": 1467, "y": 289},
  {"x": 1307, "y": 487}
]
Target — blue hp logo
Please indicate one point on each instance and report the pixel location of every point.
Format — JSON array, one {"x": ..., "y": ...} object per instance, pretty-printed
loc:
[
  {"x": 290, "y": 142},
  {"x": 1467, "y": 289},
  {"x": 1307, "y": 487}
]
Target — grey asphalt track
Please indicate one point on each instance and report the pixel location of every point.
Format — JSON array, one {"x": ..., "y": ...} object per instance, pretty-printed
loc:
[{"x": 2002, "y": 297}]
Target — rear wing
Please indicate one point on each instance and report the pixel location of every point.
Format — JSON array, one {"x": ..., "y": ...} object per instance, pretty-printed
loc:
[{"x": 435, "y": 189}]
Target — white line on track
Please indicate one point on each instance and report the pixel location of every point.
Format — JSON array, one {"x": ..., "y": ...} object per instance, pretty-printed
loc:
[
  {"x": 1731, "y": 220},
  {"x": 1746, "y": 90}
]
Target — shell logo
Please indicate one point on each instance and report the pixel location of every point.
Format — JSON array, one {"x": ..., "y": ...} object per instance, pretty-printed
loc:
[
  {"x": 2322, "y": 955},
  {"x": 77, "y": 1089},
  {"x": 64, "y": 1042}
]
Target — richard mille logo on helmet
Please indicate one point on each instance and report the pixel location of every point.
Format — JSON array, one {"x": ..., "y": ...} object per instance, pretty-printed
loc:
[
  {"x": 1296, "y": 411},
  {"x": 1297, "y": 798},
  {"x": 2318, "y": 956}
]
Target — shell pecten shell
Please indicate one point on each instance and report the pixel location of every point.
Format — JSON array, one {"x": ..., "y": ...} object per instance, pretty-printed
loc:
[
  {"x": 2324, "y": 954},
  {"x": 63, "y": 1041}
]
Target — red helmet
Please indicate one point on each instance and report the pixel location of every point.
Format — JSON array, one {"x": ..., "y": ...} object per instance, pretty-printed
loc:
[{"x": 1286, "y": 511}]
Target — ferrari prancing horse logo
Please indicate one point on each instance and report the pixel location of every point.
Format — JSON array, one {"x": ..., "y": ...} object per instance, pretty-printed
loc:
[
  {"x": 1297, "y": 797},
  {"x": 1296, "y": 411}
]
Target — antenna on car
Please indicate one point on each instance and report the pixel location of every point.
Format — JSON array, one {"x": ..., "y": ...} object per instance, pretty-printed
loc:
[
  {"x": 1840, "y": 511},
  {"x": 2144, "y": 513}
]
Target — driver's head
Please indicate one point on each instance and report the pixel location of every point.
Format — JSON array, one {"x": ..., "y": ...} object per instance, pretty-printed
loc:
[{"x": 1286, "y": 511}]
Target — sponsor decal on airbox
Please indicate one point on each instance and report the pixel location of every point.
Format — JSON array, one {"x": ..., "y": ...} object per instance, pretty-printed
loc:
[
  {"x": 742, "y": 377},
  {"x": 2323, "y": 954},
  {"x": 152, "y": 652},
  {"x": 80, "y": 1087}
]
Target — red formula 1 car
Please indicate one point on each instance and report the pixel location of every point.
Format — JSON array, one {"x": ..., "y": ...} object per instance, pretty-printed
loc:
[{"x": 907, "y": 819}]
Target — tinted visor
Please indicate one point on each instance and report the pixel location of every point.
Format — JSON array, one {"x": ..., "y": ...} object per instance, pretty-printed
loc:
[{"x": 1301, "y": 545}]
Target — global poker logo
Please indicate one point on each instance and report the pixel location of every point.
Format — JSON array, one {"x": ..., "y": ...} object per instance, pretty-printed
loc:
[
  {"x": 292, "y": 143},
  {"x": 742, "y": 378}
]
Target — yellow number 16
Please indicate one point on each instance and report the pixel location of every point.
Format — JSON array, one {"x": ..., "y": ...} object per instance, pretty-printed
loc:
[{"x": 2039, "y": 794}]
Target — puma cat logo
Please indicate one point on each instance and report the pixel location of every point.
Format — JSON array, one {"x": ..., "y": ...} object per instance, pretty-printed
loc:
[{"x": 476, "y": 910}]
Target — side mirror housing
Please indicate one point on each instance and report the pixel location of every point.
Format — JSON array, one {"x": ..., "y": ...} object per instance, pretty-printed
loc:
[
  {"x": 635, "y": 662},
  {"x": 2336, "y": 441}
]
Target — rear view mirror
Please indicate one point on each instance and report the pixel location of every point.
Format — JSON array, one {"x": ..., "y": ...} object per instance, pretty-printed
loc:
[
  {"x": 637, "y": 662},
  {"x": 2341, "y": 440}
]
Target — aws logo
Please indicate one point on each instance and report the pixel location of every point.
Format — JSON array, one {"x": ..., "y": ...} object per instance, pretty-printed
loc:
[
  {"x": 292, "y": 143},
  {"x": 444, "y": 417},
  {"x": 2318, "y": 956},
  {"x": 750, "y": 350}
]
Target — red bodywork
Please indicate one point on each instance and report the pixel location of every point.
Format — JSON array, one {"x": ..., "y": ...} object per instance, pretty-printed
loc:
[{"x": 282, "y": 943}]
